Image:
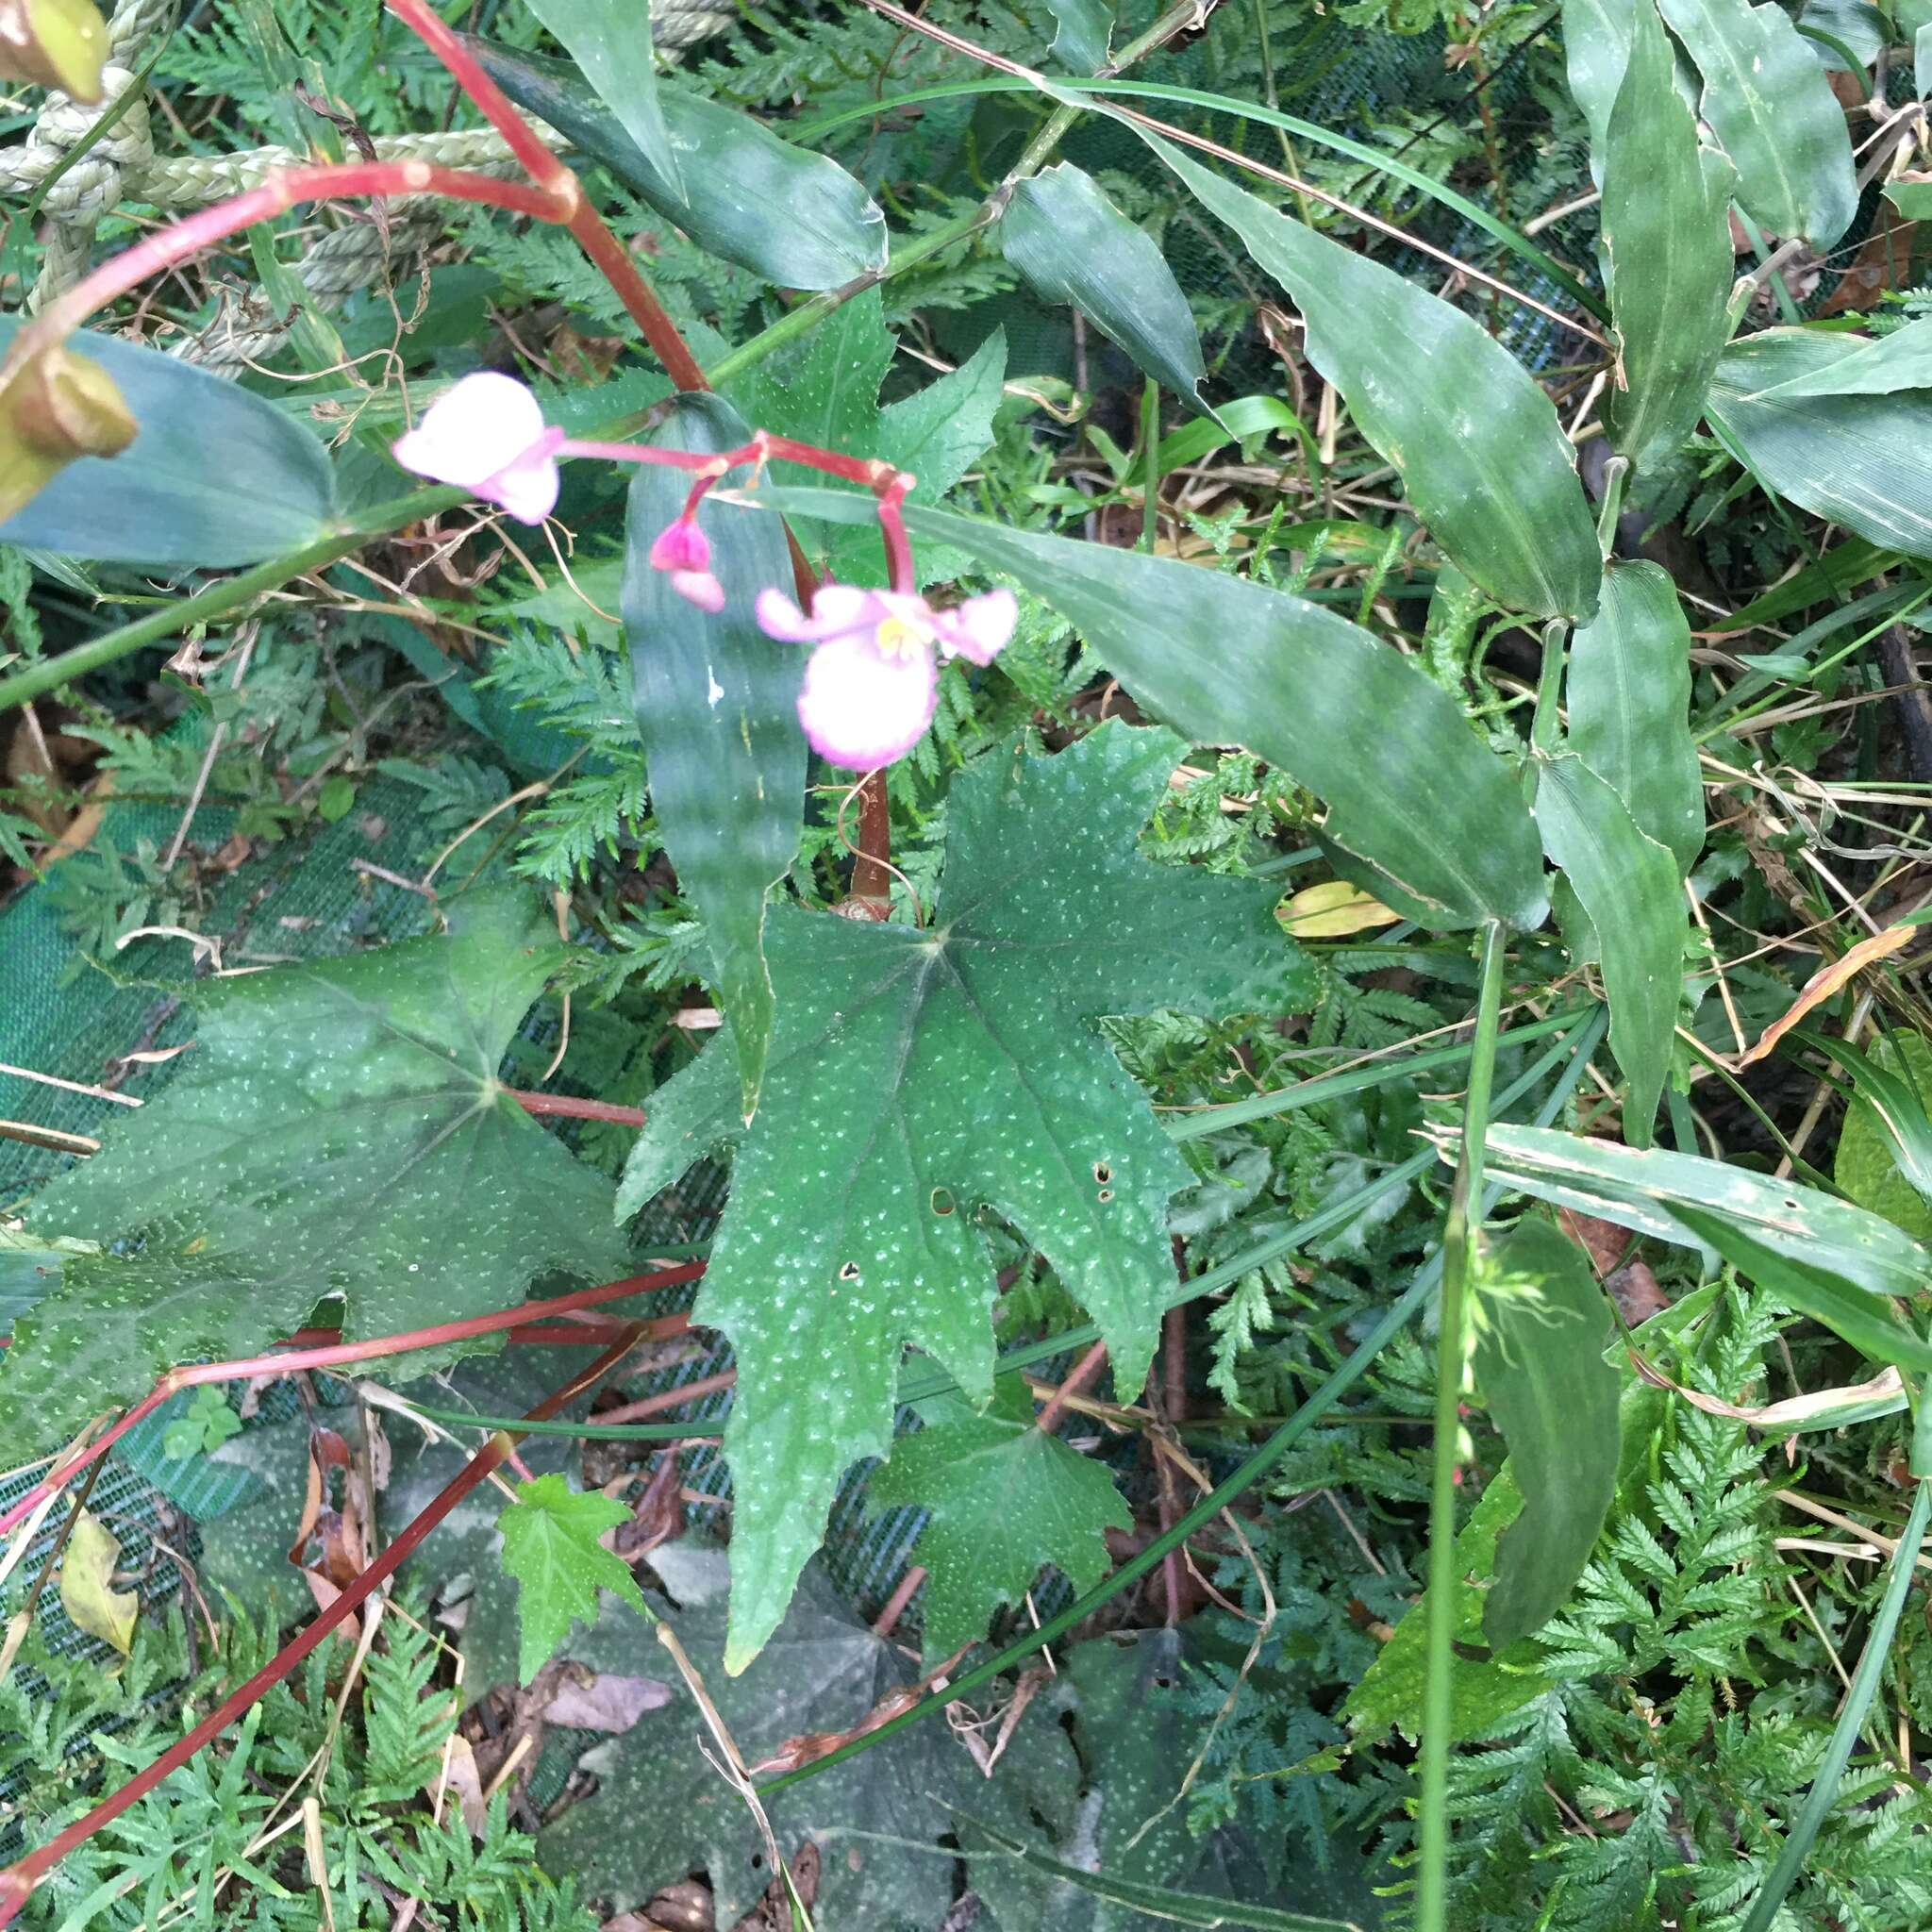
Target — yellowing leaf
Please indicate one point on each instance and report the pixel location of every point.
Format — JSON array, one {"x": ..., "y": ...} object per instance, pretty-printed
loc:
[
  {"x": 87, "y": 1580},
  {"x": 1828, "y": 980},
  {"x": 1333, "y": 909}
]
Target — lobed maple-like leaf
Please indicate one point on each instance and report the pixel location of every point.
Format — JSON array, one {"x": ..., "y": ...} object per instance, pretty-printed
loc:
[
  {"x": 922, "y": 1075},
  {"x": 336, "y": 1131},
  {"x": 1004, "y": 1496},
  {"x": 550, "y": 1546}
]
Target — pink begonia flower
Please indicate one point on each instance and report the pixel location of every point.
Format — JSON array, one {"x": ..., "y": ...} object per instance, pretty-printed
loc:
[
  {"x": 488, "y": 435},
  {"x": 872, "y": 685},
  {"x": 684, "y": 550}
]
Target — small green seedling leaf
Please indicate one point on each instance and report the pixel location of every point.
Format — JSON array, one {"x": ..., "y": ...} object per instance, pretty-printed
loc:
[
  {"x": 1539, "y": 1362},
  {"x": 550, "y": 1546},
  {"x": 920, "y": 1077},
  {"x": 1004, "y": 1496}
]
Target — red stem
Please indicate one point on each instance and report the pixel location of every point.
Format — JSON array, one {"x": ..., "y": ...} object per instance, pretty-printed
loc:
[
  {"x": 895, "y": 1603},
  {"x": 577, "y": 212},
  {"x": 668, "y": 1398},
  {"x": 570, "y": 1108},
  {"x": 17, "y": 1883},
  {"x": 1084, "y": 1371},
  {"x": 285, "y": 1361}
]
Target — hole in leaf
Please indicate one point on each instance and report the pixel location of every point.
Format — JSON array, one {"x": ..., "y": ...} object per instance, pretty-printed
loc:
[
  {"x": 1102, "y": 1173},
  {"x": 943, "y": 1202},
  {"x": 1106, "y": 1193},
  {"x": 850, "y": 1271}
]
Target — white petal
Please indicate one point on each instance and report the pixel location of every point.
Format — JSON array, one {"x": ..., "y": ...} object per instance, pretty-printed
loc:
[
  {"x": 527, "y": 489},
  {"x": 472, "y": 432},
  {"x": 861, "y": 708}
]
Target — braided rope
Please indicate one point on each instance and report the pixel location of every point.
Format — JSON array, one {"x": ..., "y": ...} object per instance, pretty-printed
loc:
[{"x": 122, "y": 165}]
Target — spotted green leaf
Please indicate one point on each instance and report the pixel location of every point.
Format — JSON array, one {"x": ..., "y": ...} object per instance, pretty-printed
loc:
[
  {"x": 1629, "y": 691},
  {"x": 336, "y": 1130},
  {"x": 1667, "y": 248},
  {"x": 716, "y": 707},
  {"x": 1006, "y": 1496},
  {"x": 1482, "y": 456},
  {"x": 1072, "y": 244},
  {"x": 1416, "y": 803},
  {"x": 1882, "y": 1160},
  {"x": 1771, "y": 104},
  {"x": 922, "y": 1076},
  {"x": 1539, "y": 1363},
  {"x": 550, "y": 1546}
]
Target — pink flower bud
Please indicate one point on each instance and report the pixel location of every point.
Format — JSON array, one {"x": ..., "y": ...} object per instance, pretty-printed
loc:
[
  {"x": 699, "y": 586},
  {"x": 681, "y": 547}
]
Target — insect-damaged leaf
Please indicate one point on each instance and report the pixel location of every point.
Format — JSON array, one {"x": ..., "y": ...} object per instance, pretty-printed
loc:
[
  {"x": 336, "y": 1130},
  {"x": 737, "y": 191},
  {"x": 1856, "y": 459},
  {"x": 1072, "y": 245},
  {"x": 1434, "y": 818},
  {"x": 1539, "y": 1363},
  {"x": 1006, "y": 1496},
  {"x": 1771, "y": 104},
  {"x": 717, "y": 710},
  {"x": 1629, "y": 691},
  {"x": 919, "y": 1075},
  {"x": 1667, "y": 248},
  {"x": 1481, "y": 453}
]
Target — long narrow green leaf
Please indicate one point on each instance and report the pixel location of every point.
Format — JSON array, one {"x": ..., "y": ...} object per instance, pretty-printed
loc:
[
  {"x": 1851, "y": 1717},
  {"x": 1539, "y": 1363},
  {"x": 1481, "y": 453},
  {"x": 1771, "y": 106},
  {"x": 610, "y": 42},
  {"x": 716, "y": 707},
  {"x": 1410, "y": 789},
  {"x": 1628, "y": 885},
  {"x": 1072, "y": 244},
  {"x": 797, "y": 218},
  {"x": 1629, "y": 690},
  {"x": 1596, "y": 50},
  {"x": 1871, "y": 1323},
  {"x": 1667, "y": 245},
  {"x": 1648, "y": 1189},
  {"x": 1865, "y": 368},
  {"x": 1864, "y": 461}
]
